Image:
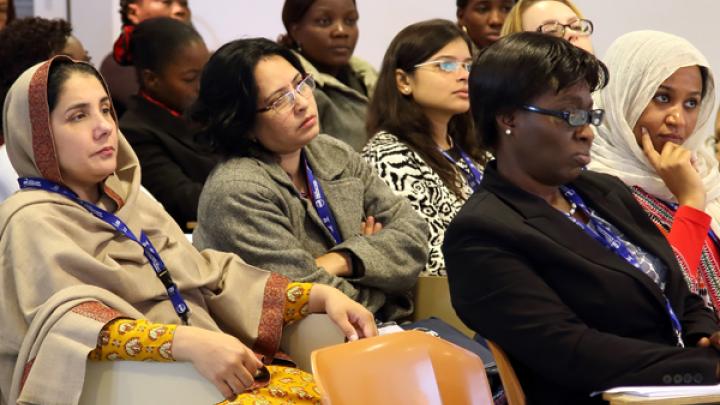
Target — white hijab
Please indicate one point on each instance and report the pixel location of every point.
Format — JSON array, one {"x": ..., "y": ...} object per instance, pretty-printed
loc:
[{"x": 638, "y": 63}]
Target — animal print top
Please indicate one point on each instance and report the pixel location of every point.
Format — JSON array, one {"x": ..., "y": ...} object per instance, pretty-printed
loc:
[{"x": 407, "y": 174}]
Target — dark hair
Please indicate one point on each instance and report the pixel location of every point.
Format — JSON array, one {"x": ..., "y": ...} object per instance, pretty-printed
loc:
[
  {"x": 26, "y": 42},
  {"x": 292, "y": 12},
  {"x": 226, "y": 107},
  {"x": 391, "y": 111},
  {"x": 124, "y": 11},
  {"x": 155, "y": 42},
  {"x": 521, "y": 67},
  {"x": 60, "y": 71},
  {"x": 464, "y": 3},
  {"x": 10, "y": 13}
]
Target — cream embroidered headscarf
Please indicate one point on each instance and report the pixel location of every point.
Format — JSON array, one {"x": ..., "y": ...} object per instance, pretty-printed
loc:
[{"x": 638, "y": 63}]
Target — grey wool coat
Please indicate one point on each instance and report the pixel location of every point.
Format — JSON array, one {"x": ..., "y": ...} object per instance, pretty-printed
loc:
[{"x": 250, "y": 207}]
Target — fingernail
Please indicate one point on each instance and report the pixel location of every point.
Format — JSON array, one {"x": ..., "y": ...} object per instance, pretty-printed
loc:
[{"x": 353, "y": 337}]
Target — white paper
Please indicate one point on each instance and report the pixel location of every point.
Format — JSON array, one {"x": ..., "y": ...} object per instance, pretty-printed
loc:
[{"x": 668, "y": 391}]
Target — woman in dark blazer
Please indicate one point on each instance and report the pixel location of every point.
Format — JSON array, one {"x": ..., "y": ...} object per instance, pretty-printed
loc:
[
  {"x": 169, "y": 57},
  {"x": 559, "y": 265}
]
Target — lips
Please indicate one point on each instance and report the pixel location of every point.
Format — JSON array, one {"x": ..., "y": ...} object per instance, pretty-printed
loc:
[
  {"x": 582, "y": 158},
  {"x": 107, "y": 151},
  {"x": 308, "y": 122},
  {"x": 462, "y": 92},
  {"x": 341, "y": 50},
  {"x": 677, "y": 139}
]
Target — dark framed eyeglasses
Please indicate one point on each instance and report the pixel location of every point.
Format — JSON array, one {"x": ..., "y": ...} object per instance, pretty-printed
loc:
[
  {"x": 447, "y": 65},
  {"x": 581, "y": 27},
  {"x": 574, "y": 118},
  {"x": 285, "y": 101}
]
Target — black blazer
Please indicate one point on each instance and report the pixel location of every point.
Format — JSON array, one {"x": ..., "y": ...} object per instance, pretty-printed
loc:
[
  {"x": 573, "y": 316},
  {"x": 174, "y": 166}
]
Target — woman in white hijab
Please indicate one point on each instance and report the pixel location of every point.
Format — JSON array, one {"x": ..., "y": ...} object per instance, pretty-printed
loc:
[{"x": 659, "y": 105}]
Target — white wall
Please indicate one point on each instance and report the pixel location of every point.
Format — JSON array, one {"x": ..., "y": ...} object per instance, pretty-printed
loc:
[{"x": 97, "y": 22}]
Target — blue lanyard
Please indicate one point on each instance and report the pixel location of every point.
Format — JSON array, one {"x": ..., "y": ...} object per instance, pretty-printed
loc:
[
  {"x": 607, "y": 238},
  {"x": 320, "y": 202},
  {"x": 473, "y": 175},
  {"x": 148, "y": 249}
]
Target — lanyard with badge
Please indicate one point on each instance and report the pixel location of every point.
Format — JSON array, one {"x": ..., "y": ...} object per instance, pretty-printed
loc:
[
  {"x": 320, "y": 202},
  {"x": 603, "y": 234},
  {"x": 149, "y": 251},
  {"x": 472, "y": 173}
]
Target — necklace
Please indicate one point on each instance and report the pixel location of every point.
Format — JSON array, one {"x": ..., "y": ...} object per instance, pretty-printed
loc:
[{"x": 573, "y": 208}]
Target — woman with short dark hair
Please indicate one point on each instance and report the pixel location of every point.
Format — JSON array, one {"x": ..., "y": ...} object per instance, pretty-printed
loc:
[
  {"x": 559, "y": 265},
  {"x": 292, "y": 200},
  {"x": 323, "y": 35},
  {"x": 169, "y": 57}
]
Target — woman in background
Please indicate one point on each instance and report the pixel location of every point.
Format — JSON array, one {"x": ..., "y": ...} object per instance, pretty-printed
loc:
[
  {"x": 323, "y": 35},
  {"x": 423, "y": 146},
  {"x": 482, "y": 20},
  {"x": 168, "y": 56},
  {"x": 560, "y": 18}
]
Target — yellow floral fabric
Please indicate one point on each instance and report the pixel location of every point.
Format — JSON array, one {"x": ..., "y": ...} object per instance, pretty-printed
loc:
[
  {"x": 296, "y": 301},
  {"x": 288, "y": 386},
  {"x": 139, "y": 340},
  {"x": 129, "y": 339}
]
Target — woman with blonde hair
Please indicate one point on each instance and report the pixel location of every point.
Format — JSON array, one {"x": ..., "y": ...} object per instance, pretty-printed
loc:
[{"x": 560, "y": 18}]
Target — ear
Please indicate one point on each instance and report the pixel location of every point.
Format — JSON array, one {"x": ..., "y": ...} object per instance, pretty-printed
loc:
[
  {"x": 293, "y": 31},
  {"x": 505, "y": 121},
  {"x": 403, "y": 82},
  {"x": 149, "y": 79},
  {"x": 133, "y": 13},
  {"x": 460, "y": 14}
]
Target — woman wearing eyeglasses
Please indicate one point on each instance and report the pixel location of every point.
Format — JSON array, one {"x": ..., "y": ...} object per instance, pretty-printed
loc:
[
  {"x": 559, "y": 18},
  {"x": 298, "y": 203},
  {"x": 423, "y": 145},
  {"x": 660, "y": 114},
  {"x": 558, "y": 265}
]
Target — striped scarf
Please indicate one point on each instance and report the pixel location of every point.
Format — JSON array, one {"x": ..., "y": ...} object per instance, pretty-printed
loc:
[{"x": 703, "y": 281}]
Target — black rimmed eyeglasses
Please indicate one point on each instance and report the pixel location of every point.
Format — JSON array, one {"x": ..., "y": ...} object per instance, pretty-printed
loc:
[
  {"x": 581, "y": 27},
  {"x": 574, "y": 118}
]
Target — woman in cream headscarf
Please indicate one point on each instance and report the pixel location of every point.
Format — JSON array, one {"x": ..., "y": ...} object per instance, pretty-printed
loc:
[
  {"x": 71, "y": 273},
  {"x": 659, "y": 105}
]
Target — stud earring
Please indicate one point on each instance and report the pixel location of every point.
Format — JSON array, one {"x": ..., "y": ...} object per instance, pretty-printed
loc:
[{"x": 508, "y": 131}]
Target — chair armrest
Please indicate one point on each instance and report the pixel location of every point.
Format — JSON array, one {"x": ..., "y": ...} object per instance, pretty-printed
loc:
[{"x": 312, "y": 332}]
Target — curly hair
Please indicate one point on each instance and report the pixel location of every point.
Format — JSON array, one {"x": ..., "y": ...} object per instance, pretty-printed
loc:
[
  {"x": 124, "y": 11},
  {"x": 26, "y": 42}
]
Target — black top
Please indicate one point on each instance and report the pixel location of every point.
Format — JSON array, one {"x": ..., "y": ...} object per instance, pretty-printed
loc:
[
  {"x": 572, "y": 316},
  {"x": 174, "y": 166}
]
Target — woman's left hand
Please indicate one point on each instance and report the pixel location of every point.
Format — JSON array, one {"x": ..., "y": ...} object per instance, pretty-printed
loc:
[{"x": 352, "y": 318}]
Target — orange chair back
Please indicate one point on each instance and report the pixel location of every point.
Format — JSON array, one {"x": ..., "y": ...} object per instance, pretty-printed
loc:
[
  {"x": 510, "y": 381},
  {"x": 408, "y": 367}
]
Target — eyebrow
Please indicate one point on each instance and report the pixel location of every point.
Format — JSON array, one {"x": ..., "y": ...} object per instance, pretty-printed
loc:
[
  {"x": 440, "y": 57},
  {"x": 557, "y": 20},
  {"x": 574, "y": 100},
  {"x": 668, "y": 88},
  {"x": 86, "y": 104},
  {"x": 282, "y": 89}
]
